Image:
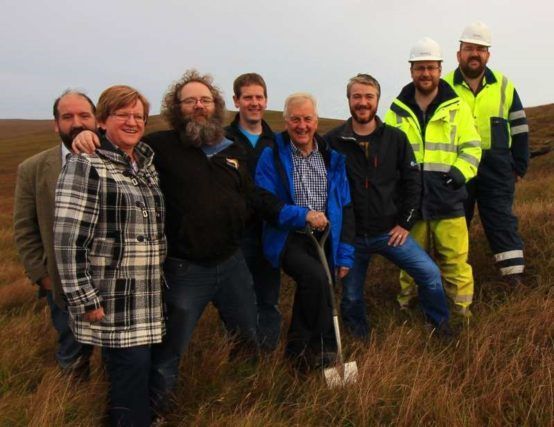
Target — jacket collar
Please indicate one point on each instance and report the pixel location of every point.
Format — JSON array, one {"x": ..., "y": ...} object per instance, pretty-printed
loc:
[
  {"x": 459, "y": 77},
  {"x": 143, "y": 152},
  {"x": 348, "y": 133},
  {"x": 266, "y": 130}
]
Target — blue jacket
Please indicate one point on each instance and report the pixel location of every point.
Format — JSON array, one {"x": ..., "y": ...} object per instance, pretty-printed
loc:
[{"x": 274, "y": 173}]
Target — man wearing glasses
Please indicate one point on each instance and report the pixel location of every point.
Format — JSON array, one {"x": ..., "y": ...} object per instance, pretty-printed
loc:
[
  {"x": 502, "y": 124},
  {"x": 385, "y": 184},
  {"x": 439, "y": 126},
  {"x": 209, "y": 196}
]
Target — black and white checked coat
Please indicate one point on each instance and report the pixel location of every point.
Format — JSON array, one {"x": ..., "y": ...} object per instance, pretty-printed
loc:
[{"x": 110, "y": 246}]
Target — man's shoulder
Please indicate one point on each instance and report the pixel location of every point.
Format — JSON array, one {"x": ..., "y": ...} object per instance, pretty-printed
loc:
[
  {"x": 159, "y": 137},
  {"x": 40, "y": 158},
  {"x": 334, "y": 134}
]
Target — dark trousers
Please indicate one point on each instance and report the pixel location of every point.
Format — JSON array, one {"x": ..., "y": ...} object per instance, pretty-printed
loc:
[
  {"x": 228, "y": 285},
  {"x": 71, "y": 355},
  {"x": 129, "y": 392},
  {"x": 311, "y": 325},
  {"x": 267, "y": 286},
  {"x": 494, "y": 199}
]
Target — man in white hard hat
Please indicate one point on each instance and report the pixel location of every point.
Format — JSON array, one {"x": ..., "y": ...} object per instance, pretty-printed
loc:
[
  {"x": 501, "y": 122},
  {"x": 447, "y": 147}
]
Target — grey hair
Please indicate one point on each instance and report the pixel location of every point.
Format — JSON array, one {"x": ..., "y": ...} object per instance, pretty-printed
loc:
[{"x": 296, "y": 98}]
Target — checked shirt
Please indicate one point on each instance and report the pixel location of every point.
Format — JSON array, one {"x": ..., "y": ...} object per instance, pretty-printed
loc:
[
  {"x": 110, "y": 246},
  {"x": 309, "y": 179}
]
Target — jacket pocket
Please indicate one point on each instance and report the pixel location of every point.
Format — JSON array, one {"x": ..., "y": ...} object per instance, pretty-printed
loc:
[
  {"x": 499, "y": 134},
  {"x": 106, "y": 251}
]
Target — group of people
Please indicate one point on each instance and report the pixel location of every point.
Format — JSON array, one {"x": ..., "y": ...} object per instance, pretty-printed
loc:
[{"x": 133, "y": 236}]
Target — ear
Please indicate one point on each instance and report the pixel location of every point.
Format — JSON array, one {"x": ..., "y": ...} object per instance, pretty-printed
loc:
[
  {"x": 56, "y": 127},
  {"x": 236, "y": 101},
  {"x": 458, "y": 54}
]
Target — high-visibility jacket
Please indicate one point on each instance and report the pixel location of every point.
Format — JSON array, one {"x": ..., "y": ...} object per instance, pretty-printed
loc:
[
  {"x": 447, "y": 147},
  {"x": 499, "y": 116}
]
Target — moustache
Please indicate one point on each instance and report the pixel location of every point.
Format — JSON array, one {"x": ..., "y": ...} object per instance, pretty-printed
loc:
[{"x": 362, "y": 107}]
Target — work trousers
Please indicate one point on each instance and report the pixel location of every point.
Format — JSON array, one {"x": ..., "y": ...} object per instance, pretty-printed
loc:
[
  {"x": 494, "y": 200},
  {"x": 447, "y": 241},
  {"x": 311, "y": 327}
]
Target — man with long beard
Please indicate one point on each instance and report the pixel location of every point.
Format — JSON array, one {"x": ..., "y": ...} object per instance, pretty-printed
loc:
[
  {"x": 502, "y": 124},
  {"x": 34, "y": 222},
  {"x": 209, "y": 197},
  {"x": 385, "y": 185},
  {"x": 439, "y": 125}
]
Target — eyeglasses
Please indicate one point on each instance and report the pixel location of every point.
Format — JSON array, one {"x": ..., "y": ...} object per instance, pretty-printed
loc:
[
  {"x": 423, "y": 68},
  {"x": 189, "y": 102},
  {"x": 480, "y": 49},
  {"x": 123, "y": 117}
]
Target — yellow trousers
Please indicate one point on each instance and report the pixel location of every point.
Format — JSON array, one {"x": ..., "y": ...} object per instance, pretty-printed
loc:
[{"x": 446, "y": 240}]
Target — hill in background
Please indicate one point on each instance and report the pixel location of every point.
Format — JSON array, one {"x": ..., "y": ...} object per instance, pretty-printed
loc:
[{"x": 499, "y": 372}]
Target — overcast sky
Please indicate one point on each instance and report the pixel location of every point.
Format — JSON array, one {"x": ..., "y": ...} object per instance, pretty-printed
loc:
[{"x": 297, "y": 45}]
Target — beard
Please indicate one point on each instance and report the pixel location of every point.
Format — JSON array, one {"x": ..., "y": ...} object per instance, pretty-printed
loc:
[
  {"x": 207, "y": 132},
  {"x": 362, "y": 120},
  {"x": 425, "y": 90},
  {"x": 67, "y": 138},
  {"x": 472, "y": 73}
]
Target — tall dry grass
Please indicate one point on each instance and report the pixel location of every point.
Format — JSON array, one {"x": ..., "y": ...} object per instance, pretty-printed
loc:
[{"x": 499, "y": 372}]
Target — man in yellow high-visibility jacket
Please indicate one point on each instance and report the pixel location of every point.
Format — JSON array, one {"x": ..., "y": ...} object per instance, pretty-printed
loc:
[
  {"x": 501, "y": 122},
  {"x": 439, "y": 125}
]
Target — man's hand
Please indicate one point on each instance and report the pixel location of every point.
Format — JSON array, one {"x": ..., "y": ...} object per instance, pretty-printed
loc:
[
  {"x": 342, "y": 272},
  {"x": 85, "y": 142},
  {"x": 45, "y": 283},
  {"x": 94, "y": 315},
  {"x": 398, "y": 236},
  {"x": 317, "y": 220}
]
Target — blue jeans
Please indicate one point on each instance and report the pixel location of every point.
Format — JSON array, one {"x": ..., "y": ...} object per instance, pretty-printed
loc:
[
  {"x": 228, "y": 285},
  {"x": 70, "y": 352},
  {"x": 128, "y": 372},
  {"x": 409, "y": 257},
  {"x": 267, "y": 285}
]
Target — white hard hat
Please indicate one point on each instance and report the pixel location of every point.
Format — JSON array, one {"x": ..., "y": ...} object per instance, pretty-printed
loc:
[
  {"x": 477, "y": 33},
  {"x": 426, "y": 49}
]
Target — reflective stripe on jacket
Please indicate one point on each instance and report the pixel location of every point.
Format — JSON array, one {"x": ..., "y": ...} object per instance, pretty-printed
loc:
[
  {"x": 499, "y": 115},
  {"x": 448, "y": 150}
]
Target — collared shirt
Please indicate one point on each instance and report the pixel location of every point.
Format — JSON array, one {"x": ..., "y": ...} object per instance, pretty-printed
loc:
[
  {"x": 65, "y": 153},
  {"x": 310, "y": 179}
]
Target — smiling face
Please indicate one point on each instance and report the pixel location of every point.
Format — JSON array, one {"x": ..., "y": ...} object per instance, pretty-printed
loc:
[
  {"x": 363, "y": 102},
  {"x": 301, "y": 124},
  {"x": 125, "y": 126},
  {"x": 473, "y": 59},
  {"x": 426, "y": 75},
  {"x": 74, "y": 114},
  {"x": 197, "y": 102},
  {"x": 251, "y": 104}
]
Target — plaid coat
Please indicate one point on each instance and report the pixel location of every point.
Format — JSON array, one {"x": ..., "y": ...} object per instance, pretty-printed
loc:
[{"x": 110, "y": 246}]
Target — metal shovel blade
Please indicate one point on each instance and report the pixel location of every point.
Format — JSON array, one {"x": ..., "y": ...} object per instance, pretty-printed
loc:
[{"x": 334, "y": 378}]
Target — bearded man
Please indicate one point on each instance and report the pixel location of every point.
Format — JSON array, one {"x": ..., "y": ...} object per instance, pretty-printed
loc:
[
  {"x": 209, "y": 197},
  {"x": 385, "y": 185}
]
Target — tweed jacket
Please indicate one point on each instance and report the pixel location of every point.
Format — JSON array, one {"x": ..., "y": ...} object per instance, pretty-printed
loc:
[
  {"x": 110, "y": 246},
  {"x": 34, "y": 216}
]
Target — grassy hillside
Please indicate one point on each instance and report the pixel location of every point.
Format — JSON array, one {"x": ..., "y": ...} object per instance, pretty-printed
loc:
[{"x": 499, "y": 372}]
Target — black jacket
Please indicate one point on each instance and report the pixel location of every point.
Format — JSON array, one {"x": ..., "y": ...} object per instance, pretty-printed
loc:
[
  {"x": 267, "y": 139},
  {"x": 386, "y": 188},
  {"x": 208, "y": 200}
]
